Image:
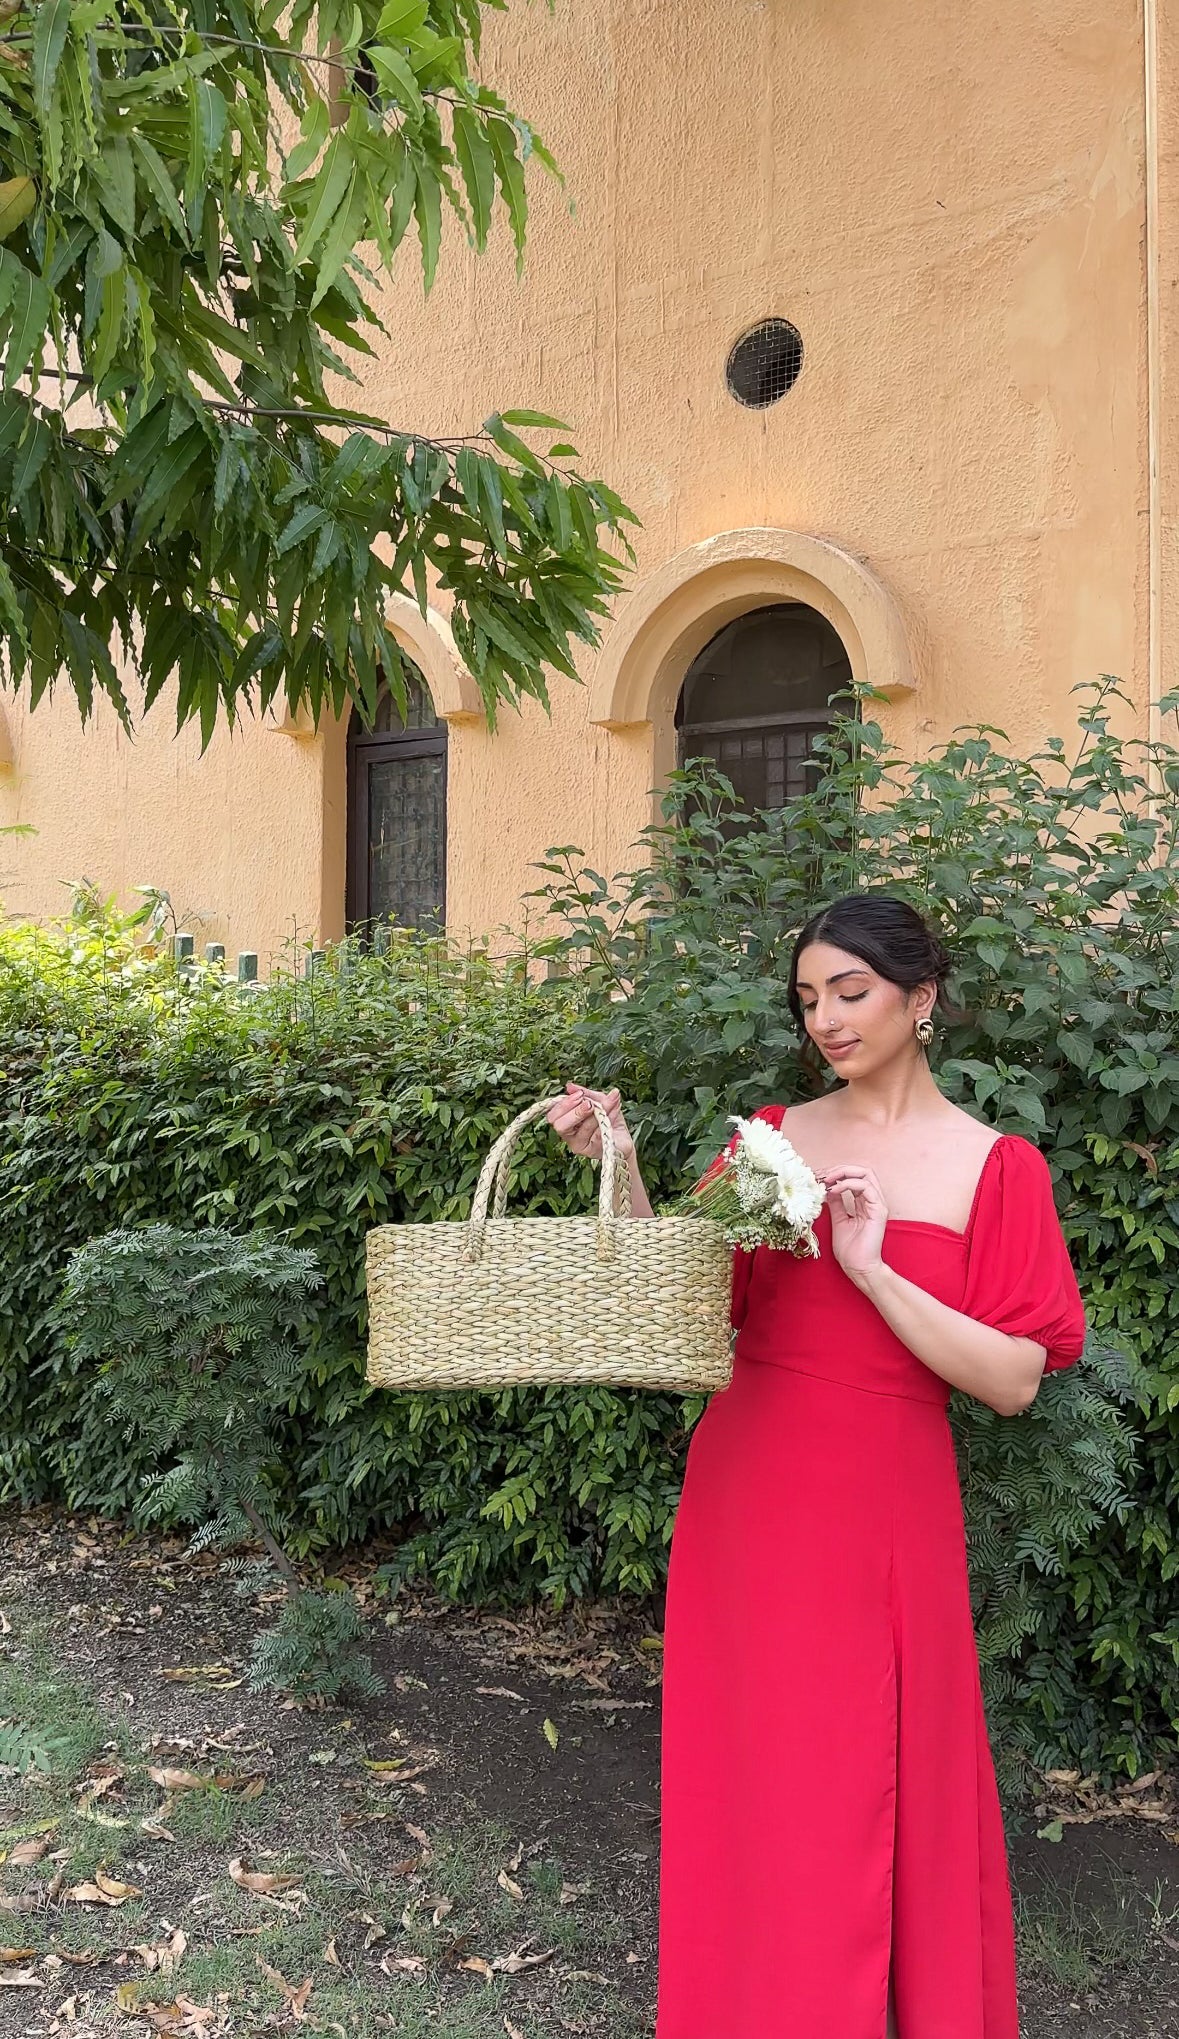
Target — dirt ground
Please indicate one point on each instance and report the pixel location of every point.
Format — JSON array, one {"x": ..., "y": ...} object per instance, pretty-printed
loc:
[{"x": 474, "y": 1852}]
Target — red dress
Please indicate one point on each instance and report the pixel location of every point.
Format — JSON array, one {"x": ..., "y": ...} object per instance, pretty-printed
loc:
[{"x": 828, "y": 1786}]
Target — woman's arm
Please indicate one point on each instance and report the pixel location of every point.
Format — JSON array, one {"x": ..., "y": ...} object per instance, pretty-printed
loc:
[{"x": 1002, "y": 1371}]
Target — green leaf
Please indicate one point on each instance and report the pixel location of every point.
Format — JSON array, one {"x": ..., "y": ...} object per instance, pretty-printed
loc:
[
  {"x": 342, "y": 235},
  {"x": 307, "y": 518},
  {"x": 504, "y": 147},
  {"x": 24, "y": 315},
  {"x": 560, "y": 515},
  {"x": 10, "y": 609},
  {"x": 30, "y": 457},
  {"x": 165, "y": 475},
  {"x": 477, "y": 164},
  {"x": 404, "y": 195},
  {"x": 534, "y": 418},
  {"x": 51, "y": 27},
  {"x": 314, "y": 129},
  {"x": 18, "y": 196},
  {"x": 110, "y": 322},
  {"x": 428, "y": 209},
  {"x": 159, "y": 182},
  {"x": 207, "y": 113},
  {"x": 114, "y": 175},
  {"x": 327, "y": 193},
  {"x": 396, "y": 79},
  {"x": 403, "y": 18},
  {"x": 491, "y": 490},
  {"x": 507, "y": 442},
  {"x": 508, "y": 638}
]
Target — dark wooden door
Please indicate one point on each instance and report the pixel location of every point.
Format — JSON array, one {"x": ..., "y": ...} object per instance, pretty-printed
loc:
[{"x": 396, "y": 867}]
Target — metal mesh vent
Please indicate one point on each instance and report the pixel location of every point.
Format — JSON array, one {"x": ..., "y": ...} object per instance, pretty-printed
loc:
[{"x": 764, "y": 363}]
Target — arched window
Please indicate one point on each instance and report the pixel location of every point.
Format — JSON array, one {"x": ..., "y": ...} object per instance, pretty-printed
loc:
[
  {"x": 397, "y": 813},
  {"x": 756, "y": 697}
]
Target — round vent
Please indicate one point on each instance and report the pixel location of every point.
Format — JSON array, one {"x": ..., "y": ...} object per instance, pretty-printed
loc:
[{"x": 764, "y": 363}]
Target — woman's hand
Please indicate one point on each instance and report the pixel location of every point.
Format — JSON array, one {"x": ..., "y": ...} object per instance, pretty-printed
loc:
[
  {"x": 856, "y": 1239},
  {"x": 576, "y": 1124}
]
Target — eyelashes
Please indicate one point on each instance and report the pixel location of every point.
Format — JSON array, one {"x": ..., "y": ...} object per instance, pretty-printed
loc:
[{"x": 850, "y": 998}]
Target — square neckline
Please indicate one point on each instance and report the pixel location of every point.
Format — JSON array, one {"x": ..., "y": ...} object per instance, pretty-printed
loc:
[{"x": 931, "y": 1224}]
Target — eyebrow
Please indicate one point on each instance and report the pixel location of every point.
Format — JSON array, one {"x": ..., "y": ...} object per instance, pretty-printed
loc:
[{"x": 801, "y": 983}]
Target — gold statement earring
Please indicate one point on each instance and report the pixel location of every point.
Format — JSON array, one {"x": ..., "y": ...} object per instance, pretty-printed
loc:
[{"x": 924, "y": 1031}]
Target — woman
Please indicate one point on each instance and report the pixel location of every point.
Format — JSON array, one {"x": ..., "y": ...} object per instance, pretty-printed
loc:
[{"x": 833, "y": 1862}]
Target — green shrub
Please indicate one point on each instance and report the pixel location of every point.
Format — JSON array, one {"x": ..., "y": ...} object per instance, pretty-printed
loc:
[
  {"x": 133, "y": 1093},
  {"x": 196, "y": 1338},
  {"x": 1055, "y": 879}
]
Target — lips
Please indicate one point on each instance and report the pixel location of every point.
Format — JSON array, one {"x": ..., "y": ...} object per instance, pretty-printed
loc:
[{"x": 839, "y": 1047}]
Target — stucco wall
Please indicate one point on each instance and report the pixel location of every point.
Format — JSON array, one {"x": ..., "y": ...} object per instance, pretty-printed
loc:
[{"x": 950, "y": 206}]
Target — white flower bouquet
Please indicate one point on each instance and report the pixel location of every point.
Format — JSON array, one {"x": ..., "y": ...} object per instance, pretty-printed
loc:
[{"x": 763, "y": 1194}]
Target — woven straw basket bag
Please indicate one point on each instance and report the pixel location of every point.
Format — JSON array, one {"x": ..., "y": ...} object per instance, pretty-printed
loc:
[{"x": 492, "y": 1301}]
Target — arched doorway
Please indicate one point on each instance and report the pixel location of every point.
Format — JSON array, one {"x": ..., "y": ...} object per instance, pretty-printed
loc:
[
  {"x": 758, "y": 695},
  {"x": 396, "y": 835}
]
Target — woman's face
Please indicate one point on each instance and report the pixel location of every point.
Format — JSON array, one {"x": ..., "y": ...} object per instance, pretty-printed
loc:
[{"x": 857, "y": 1019}]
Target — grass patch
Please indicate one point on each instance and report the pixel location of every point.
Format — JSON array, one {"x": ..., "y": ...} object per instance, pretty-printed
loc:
[
  {"x": 1074, "y": 1941},
  {"x": 55, "y": 1712}
]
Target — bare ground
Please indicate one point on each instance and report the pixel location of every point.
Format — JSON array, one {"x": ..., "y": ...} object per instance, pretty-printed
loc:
[{"x": 474, "y": 1852}]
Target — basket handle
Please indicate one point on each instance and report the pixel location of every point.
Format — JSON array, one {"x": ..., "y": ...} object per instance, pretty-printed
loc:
[{"x": 495, "y": 1169}]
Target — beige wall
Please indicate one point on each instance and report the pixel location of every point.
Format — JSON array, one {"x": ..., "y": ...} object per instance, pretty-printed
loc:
[{"x": 950, "y": 204}]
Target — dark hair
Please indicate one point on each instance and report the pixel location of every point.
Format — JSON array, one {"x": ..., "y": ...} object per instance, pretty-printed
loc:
[{"x": 886, "y": 933}]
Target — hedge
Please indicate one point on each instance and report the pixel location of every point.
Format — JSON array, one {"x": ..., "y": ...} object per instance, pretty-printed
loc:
[{"x": 137, "y": 1091}]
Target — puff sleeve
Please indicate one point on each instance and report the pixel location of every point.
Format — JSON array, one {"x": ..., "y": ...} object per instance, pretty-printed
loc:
[
  {"x": 743, "y": 1259},
  {"x": 1019, "y": 1276}
]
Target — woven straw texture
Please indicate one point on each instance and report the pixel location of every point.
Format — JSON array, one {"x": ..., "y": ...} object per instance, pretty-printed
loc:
[{"x": 567, "y": 1302}]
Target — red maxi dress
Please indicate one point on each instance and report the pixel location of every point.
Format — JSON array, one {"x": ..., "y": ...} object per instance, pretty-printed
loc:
[{"x": 828, "y": 1789}]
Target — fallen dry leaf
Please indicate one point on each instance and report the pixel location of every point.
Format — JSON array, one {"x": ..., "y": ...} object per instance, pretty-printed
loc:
[
  {"x": 261, "y": 1881},
  {"x": 20, "y": 1978},
  {"x": 296, "y": 1997},
  {"x": 106, "y": 1890},
  {"x": 29, "y": 1851},
  {"x": 507, "y": 1883},
  {"x": 176, "y": 1780},
  {"x": 329, "y": 1952},
  {"x": 442, "y": 1910},
  {"x": 511, "y": 1964},
  {"x": 163, "y": 1955},
  {"x": 217, "y": 1677},
  {"x": 498, "y": 1692},
  {"x": 411, "y": 1963}
]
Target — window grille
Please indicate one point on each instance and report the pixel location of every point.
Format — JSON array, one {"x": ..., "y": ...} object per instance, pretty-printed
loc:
[
  {"x": 396, "y": 861},
  {"x": 755, "y": 699},
  {"x": 764, "y": 363}
]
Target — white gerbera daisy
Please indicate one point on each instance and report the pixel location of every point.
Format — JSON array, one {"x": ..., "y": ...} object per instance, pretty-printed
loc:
[{"x": 763, "y": 1145}]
